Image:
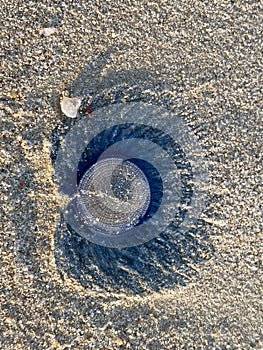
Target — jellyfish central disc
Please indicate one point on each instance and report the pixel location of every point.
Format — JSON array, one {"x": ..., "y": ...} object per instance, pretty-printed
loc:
[{"x": 114, "y": 195}]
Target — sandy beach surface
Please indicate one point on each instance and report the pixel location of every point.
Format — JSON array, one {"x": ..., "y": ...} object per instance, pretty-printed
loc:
[{"x": 205, "y": 55}]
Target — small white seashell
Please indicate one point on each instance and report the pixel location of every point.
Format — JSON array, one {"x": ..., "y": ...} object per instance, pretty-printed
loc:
[
  {"x": 48, "y": 31},
  {"x": 70, "y": 106}
]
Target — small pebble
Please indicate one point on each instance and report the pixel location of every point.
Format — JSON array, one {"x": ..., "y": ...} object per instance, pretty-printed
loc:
[
  {"x": 118, "y": 341},
  {"x": 48, "y": 31},
  {"x": 70, "y": 105},
  {"x": 21, "y": 185}
]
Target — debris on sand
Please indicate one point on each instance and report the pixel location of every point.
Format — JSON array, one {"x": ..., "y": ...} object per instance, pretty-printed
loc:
[
  {"x": 48, "y": 31},
  {"x": 70, "y": 105}
]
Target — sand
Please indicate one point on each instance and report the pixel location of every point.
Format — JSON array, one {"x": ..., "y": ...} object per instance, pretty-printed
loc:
[{"x": 208, "y": 56}]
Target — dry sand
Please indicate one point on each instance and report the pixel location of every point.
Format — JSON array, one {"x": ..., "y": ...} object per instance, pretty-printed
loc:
[{"x": 212, "y": 53}]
